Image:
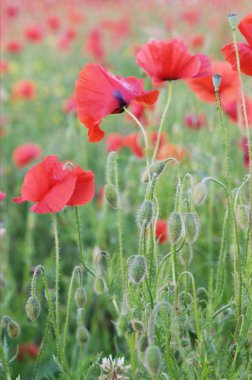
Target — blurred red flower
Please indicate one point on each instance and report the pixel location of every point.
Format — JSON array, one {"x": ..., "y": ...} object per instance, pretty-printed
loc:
[
  {"x": 53, "y": 23},
  {"x": 244, "y": 147},
  {"x": 114, "y": 142},
  {"x": 25, "y": 154},
  {"x": 94, "y": 44},
  {"x": 4, "y": 67},
  {"x": 161, "y": 231},
  {"x": 27, "y": 350},
  {"x": 245, "y": 50},
  {"x": 14, "y": 47},
  {"x": 24, "y": 89},
  {"x": 99, "y": 93},
  {"x": 12, "y": 11},
  {"x": 53, "y": 185},
  {"x": 168, "y": 150},
  {"x": 229, "y": 87},
  {"x": 70, "y": 105},
  {"x": 34, "y": 33},
  {"x": 2, "y": 196},
  {"x": 233, "y": 108},
  {"x": 171, "y": 60},
  {"x": 195, "y": 121}
]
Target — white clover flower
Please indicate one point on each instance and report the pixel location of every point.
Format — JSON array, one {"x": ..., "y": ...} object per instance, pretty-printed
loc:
[{"x": 113, "y": 369}]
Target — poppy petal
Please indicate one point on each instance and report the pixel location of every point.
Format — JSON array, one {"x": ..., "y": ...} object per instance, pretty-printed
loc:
[
  {"x": 84, "y": 187},
  {"x": 149, "y": 97},
  {"x": 245, "y": 56},
  {"x": 245, "y": 27}
]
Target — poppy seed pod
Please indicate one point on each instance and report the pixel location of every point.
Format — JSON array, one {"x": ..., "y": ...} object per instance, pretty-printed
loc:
[
  {"x": 175, "y": 226},
  {"x": 82, "y": 335},
  {"x": 122, "y": 325},
  {"x": 242, "y": 215},
  {"x": 153, "y": 360},
  {"x": 100, "y": 285},
  {"x": 111, "y": 195},
  {"x": 216, "y": 78},
  {"x": 33, "y": 308},
  {"x": 232, "y": 19},
  {"x": 155, "y": 169},
  {"x": 143, "y": 343},
  {"x": 145, "y": 213},
  {"x": 192, "y": 224},
  {"x": 13, "y": 329},
  {"x": 80, "y": 297},
  {"x": 137, "y": 269},
  {"x": 199, "y": 193}
]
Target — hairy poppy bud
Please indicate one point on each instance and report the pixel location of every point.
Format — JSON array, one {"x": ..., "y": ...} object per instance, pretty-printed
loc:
[
  {"x": 82, "y": 335},
  {"x": 216, "y": 78},
  {"x": 32, "y": 308},
  {"x": 199, "y": 193},
  {"x": 13, "y": 329},
  {"x": 137, "y": 269},
  {"x": 242, "y": 215},
  {"x": 175, "y": 227},
  {"x": 143, "y": 343},
  {"x": 111, "y": 195},
  {"x": 80, "y": 297},
  {"x": 153, "y": 360},
  {"x": 122, "y": 325},
  {"x": 186, "y": 254},
  {"x": 100, "y": 285},
  {"x": 137, "y": 325},
  {"x": 145, "y": 213},
  {"x": 155, "y": 169},
  {"x": 101, "y": 262},
  {"x": 191, "y": 221}
]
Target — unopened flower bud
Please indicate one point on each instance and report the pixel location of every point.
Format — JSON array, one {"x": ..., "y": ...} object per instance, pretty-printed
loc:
[
  {"x": 216, "y": 78},
  {"x": 82, "y": 335},
  {"x": 80, "y": 297},
  {"x": 192, "y": 224},
  {"x": 186, "y": 254},
  {"x": 155, "y": 169},
  {"x": 111, "y": 195},
  {"x": 101, "y": 263},
  {"x": 13, "y": 329},
  {"x": 137, "y": 326},
  {"x": 199, "y": 193},
  {"x": 242, "y": 215},
  {"x": 232, "y": 19},
  {"x": 145, "y": 213},
  {"x": 100, "y": 285},
  {"x": 137, "y": 269},
  {"x": 33, "y": 308},
  {"x": 175, "y": 227},
  {"x": 153, "y": 360},
  {"x": 143, "y": 343},
  {"x": 122, "y": 325}
]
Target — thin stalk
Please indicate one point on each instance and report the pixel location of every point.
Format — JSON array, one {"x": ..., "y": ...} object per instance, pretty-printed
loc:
[
  {"x": 57, "y": 268},
  {"x": 163, "y": 120}
]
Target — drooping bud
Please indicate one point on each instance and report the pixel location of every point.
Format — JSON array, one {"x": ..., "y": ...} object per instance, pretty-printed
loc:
[
  {"x": 145, "y": 213},
  {"x": 100, "y": 285},
  {"x": 155, "y": 169},
  {"x": 175, "y": 227},
  {"x": 82, "y": 335},
  {"x": 111, "y": 195},
  {"x": 232, "y": 19},
  {"x": 199, "y": 193},
  {"x": 143, "y": 343},
  {"x": 216, "y": 78},
  {"x": 242, "y": 215},
  {"x": 191, "y": 220},
  {"x": 13, "y": 329},
  {"x": 101, "y": 263},
  {"x": 153, "y": 360},
  {"x": 137, "y": 269},
  {"x": 33, "y": 308},
  {"x": 80, "y": 297},
  {"x": 137, "y": 326},
  {"x": 122, "y": 325}
]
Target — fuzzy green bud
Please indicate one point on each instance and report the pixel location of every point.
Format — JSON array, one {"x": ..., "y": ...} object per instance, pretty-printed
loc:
[
  {"x": 13, "y": 329},
  {"x": 153, "y": 360},
  {"x": 145, "y": 213},
  {"x": 80, "y": 297},
  {"x": 216, "y": 78},
  {"x": 192, "y": 224},
  {"x": 100, "y": 285},
  {"x": 33, "y": 308},
  {"x": 199, "y": 193},
  {"x": 82, "y": 335},
  {"x": 101, "y": 263},
  {"x": 176, "y": 227},
  {"x": 186, "y": 254},
  {"x": 111, "y": 195},
  {"x": 137, "y": 269},
  {"x": 137, "y": 326},
  {"x": 155, "y": 169},
  {"x": 242, "y": 215},
  {"x": 122, "y": 325},
  {"x": 143, "y": 343}
]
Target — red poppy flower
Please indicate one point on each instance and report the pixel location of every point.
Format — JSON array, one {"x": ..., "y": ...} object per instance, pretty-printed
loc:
[
  {"x": 54, "y": 185},
  {"x": 4, "y": 67},
  {"x": 114, "y": 142},
  {"x": 14, "y": 47},
  {"x": 171, "y": 60},
  {"x": 229, "y": 87},
  {"x": 94, "y": 44},
  {"x": 233, "y": 108},
  {"x": 2, "y": 196},
  {"x": 53, "y": 23},
  {"x": 132, "y": 141},
  {"x": 34, "y": 33},
  {"x": 26, "y": 153},
  {"x": 195, "y": 121},
  {"x": 12, "y": 11},
  {"x": 27, "y": 350},
  {"x": 161, "y": 231},
  {"x": 99, "y": 93},
  {"x": 170, "y": 150},
  {"x": 24, "y": 89},
  {"x": 245, "y": 50}
]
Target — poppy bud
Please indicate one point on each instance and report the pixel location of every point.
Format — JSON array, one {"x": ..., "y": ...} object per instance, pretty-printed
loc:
[
  {"x": 137, "y": 269},
  {"x": 175, "y": 227},
  {"x": 155, "y": 169},
  {"x": 111, "y": 195},
  {"x": 242, "y": 215},
  {"x": 145, "y": 213},
  {"x": 191, "y": 221},
  {"x": 153, "y": 360},
  {"x": 13, "y": 329},
  {"x": 232, "y": 19},
  {"x": 199, "y": 193},
  {"x": 82, "y": 335},
  {"x": 137, "y": 326},
  {"x": 216, "y": 78},
  {"x": 122, "y": 325},
  {"x": 32, "y": 308},
  {"x": 100, "y": 285},
  {"x": 186, "y": 254},
  {"x": 80, "y": 297},
  {"x": 143, "y": 343},
  {"x": 101, "y": 262}
]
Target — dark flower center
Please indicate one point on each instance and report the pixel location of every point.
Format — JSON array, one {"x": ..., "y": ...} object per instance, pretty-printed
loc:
[{"x": 121, "y": 102}]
